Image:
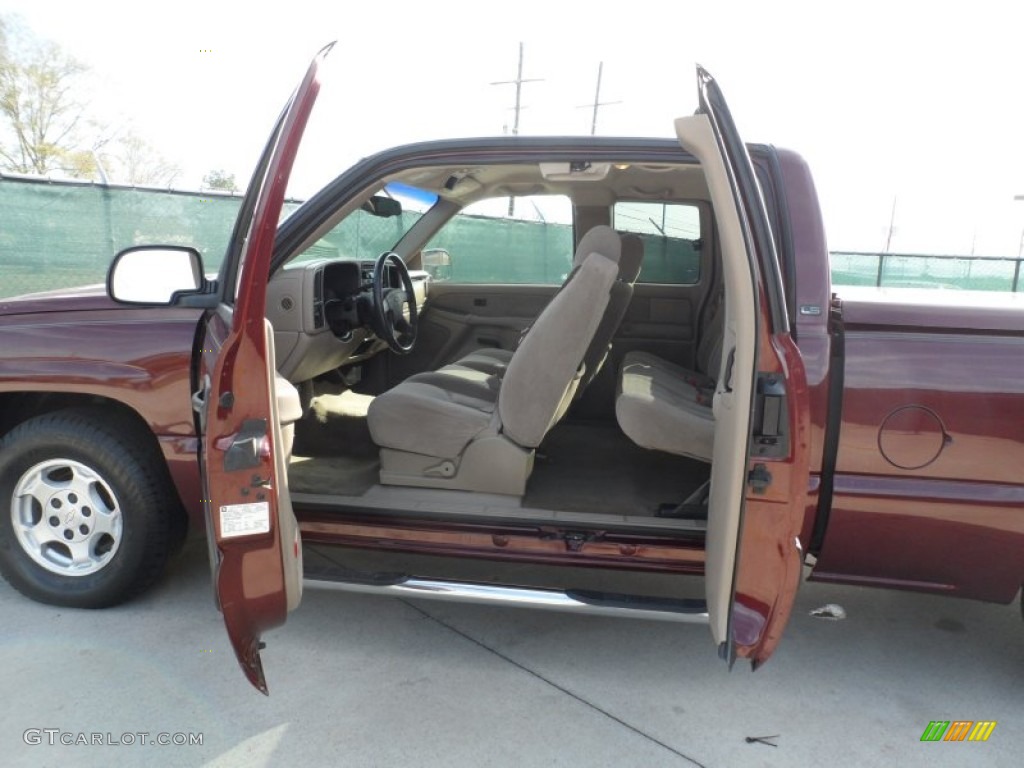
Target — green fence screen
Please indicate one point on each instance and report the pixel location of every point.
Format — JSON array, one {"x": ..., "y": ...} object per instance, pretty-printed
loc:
[{"x": 57, "y": 235}]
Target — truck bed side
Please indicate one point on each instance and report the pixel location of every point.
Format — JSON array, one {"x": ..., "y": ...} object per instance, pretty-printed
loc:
[{"x": 928, "y": 489}]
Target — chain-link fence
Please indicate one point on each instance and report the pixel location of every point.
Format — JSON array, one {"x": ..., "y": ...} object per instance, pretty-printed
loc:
[
  {"x": 479, "y": 249},
  {"x": 61, "y": 235},
  {"x": 56, "y": 235},
  {"x": 965, "y": 273},
  {"x": 361, "y": 235}
]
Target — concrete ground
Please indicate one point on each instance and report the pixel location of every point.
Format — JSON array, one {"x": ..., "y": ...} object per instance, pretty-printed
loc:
[{"x": 366, "y": 681}]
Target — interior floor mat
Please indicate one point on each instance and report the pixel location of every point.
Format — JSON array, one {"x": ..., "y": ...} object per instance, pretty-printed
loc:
[
  {"x": 593, "y": 467},
  {"x": 335, "y": 425},
  {"x": 347, "y": 475}
]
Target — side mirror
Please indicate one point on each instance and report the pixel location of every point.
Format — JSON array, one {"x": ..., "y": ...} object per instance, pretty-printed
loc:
[
  {"x": 154, "y": 274},
  {"x": 384, "y": 207},
  {"x": 437, "y": 262}
]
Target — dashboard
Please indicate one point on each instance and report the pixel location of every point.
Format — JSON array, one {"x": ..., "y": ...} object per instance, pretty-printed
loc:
[
  {"x": 340, "y": 283},
  {"x": 318, "y": 310}
]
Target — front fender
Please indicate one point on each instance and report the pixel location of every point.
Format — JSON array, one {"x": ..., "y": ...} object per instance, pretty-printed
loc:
[{"x": 139, "y": 358}]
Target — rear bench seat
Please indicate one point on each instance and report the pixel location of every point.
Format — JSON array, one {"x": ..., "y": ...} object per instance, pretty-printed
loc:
[
  {"x": 658, "y": 409},
  {"x": 665, "y": 407}
]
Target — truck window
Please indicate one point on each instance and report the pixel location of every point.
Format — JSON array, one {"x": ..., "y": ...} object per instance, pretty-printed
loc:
[
  {"x": 365, "y": 235},
  {"x": 671, "y": 237},
  {"x": 526, "y": 239}
]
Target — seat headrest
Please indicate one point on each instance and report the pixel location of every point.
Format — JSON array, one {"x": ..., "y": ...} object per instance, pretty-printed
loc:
[
  {"x": 600, "y": 239},
  {"x": 632, "y": 258}
]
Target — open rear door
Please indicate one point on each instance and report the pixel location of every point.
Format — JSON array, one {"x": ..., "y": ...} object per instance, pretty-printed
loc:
[
  {"x": 759, "y": 467},
  {"x": 255, "y": 549}
]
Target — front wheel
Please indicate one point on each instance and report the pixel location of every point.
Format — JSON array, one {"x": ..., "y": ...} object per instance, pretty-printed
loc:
[{"x": 87, "y": 513}]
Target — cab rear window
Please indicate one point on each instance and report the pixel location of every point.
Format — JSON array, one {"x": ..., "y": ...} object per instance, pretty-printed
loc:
[{"x": 672, "y": 239}]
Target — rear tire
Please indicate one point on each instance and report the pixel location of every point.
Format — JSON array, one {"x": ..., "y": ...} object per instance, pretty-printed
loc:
[{"x": 88, "y": 516}]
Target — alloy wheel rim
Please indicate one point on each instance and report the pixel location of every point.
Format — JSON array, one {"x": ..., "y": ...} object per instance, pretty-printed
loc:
[{"x": 66, "y": 517}]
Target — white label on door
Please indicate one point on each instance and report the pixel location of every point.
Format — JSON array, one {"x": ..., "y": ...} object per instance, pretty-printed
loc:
[{"x": 244, "y": 519}]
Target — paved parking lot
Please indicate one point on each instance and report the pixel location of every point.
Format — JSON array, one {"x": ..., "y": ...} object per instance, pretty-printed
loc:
[{"x": 364, "y": 681}]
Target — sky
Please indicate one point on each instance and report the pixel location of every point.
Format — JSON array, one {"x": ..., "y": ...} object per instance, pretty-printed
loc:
[{"x": 917, "y": 104}]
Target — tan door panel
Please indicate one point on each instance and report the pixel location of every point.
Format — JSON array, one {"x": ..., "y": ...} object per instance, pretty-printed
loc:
[{"x": 460, "y": 318}]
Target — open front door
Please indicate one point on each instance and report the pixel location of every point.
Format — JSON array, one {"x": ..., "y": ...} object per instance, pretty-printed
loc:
[
  {"x": 759, "y": 470},
  {"x": 255, "y": 549}
]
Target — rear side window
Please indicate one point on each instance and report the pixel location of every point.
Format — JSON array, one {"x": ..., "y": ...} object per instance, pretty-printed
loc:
[
  {"x": 671, "y": 236},
  {"x": 524, "y": 239}
]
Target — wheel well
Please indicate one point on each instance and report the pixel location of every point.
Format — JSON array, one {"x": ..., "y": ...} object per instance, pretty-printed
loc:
[{"x": 18, "y": 407}]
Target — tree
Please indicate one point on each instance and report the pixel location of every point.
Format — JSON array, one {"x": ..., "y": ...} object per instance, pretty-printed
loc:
[
  {"x": 39, "y": 112},
  {"x": 4, "y": 45},
  {"x": 219, "y": 179},
  {"x": 133, "y": 160}
]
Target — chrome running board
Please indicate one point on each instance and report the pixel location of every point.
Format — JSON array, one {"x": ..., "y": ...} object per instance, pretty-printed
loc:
[{"x": 590, "y": 603}]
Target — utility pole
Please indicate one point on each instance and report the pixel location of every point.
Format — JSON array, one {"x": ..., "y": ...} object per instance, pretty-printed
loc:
[
  {"x": 1020, "y": 247},
  {"x": 597, "y": 100},
  {"x": 1020, "y": 254},
  {"x": 892, "y": 225},
  {"x": 518, "y": 83}
]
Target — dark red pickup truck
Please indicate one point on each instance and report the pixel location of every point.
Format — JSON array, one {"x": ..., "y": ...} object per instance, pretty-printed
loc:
[{"x": 673, "y": 425}]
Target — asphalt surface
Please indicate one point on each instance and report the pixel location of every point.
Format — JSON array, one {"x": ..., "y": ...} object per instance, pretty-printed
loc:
[{"x": 366, "y": 681}]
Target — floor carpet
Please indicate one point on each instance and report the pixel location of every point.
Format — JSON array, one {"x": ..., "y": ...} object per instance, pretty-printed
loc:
[{"x": 593, "y": 467}]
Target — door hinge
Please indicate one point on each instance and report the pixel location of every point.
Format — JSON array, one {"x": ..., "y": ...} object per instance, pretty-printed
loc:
[
  {"x": 759, "y": 478},
  {"x": 835, "y": 307},
  {"x": 199, "y": 401}
]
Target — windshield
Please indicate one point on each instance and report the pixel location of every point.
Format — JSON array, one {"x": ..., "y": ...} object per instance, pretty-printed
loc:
[{"x": 365, "y": 234}]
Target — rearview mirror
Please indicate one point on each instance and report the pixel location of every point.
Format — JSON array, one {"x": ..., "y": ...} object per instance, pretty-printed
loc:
[
  {"x": 154, "y": 274},
  {"x": 384, "y": 207}
]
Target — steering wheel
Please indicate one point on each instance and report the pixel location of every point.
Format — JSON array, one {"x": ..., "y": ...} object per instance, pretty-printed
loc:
[{"x": 389, "y": 305}]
